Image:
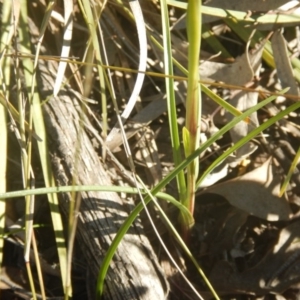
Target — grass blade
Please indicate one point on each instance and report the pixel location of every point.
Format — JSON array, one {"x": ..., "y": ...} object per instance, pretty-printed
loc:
[
  {"x": 126, "y": 225},
  {"x": 68, "y": 16},
  {"x": 171, "y": 102},
  {"x": 6, "y": 35},
  {"x": 39, "y": 125},
  {"x": 191, "y": 131},
  {"x": 290, "y": 173}
]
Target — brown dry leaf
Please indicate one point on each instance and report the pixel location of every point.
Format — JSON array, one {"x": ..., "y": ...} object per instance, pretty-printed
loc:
[
  {"x": 256, "y": 193},
  {"x": 238, "y": 73},
  {"x": 283, "y": 64},
  {"x": 241, "y": 72},
  {"x": 244, "y": 100}
]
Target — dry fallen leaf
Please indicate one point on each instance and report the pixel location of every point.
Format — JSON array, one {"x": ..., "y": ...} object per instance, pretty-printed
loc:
[
  {"x": 256, "y": 193},
  {"x": 283, "y": 64},
  {"x": 244, "y": 100},
  {"x": 239, "y": 73}
]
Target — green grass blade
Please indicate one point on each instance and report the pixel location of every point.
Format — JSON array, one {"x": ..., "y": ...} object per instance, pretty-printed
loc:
[
  {"x": 193, "y": 103},
  {"x": 6, "y": 35},
  {"x": 204, "y": 88},
  {"x": 275, "y": 18},
  {"x": 126, "y": 225},
  {"x": 210, "y": 38},
  {"x": 160, "y": 186},
  {"x": 247, "y": 138},
  {"x": 171, "y": 102},
  {"x": 42, "y": 145},
  {"x": 290, "y": 173},
  {"x": 244, "y": 33}
]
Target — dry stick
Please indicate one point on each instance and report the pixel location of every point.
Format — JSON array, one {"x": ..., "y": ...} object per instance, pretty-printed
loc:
[
  {"x": 72, "y": 60},
  {"x": 101, "y": 213}
]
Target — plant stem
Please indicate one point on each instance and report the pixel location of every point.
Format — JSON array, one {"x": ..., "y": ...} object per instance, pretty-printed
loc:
[{"x": 191, "y": 133}]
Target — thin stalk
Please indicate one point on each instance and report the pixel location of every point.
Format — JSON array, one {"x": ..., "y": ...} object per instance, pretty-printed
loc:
[
  {"x": 6, "y": 31},
  {"x": 38, "y": 267},
  {"x": 38, "y": 121},
  {"x": 91, "y": 19},
  {"x": 292, "y": 169},
  {"x": 126, "y": 225},
  {"x": 171, "y": 102},
  {"x": 30, "y": 280},
  {"x": 191, "y": 132}
]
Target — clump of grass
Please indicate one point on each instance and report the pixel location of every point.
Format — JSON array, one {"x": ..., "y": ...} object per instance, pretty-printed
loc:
[{"x": 186, "y": 170}]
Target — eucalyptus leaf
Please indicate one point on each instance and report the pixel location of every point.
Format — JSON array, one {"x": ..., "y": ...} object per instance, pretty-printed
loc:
[
  {"x": 256, "y": 193},
  {"x": 283, "y": 63}
]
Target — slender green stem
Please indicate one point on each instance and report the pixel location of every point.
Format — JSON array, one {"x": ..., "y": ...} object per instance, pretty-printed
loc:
[
  {"x": 171, "y": 101},
  {"x": 191, "y": 133},
  {"x": 126, "y": 225}
]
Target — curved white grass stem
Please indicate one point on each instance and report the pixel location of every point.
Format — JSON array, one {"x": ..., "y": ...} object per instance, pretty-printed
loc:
[{"x": 142, "y": 36}]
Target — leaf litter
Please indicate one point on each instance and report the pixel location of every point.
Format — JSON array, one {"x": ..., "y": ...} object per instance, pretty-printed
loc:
[{"x": 245, "y": 236}]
